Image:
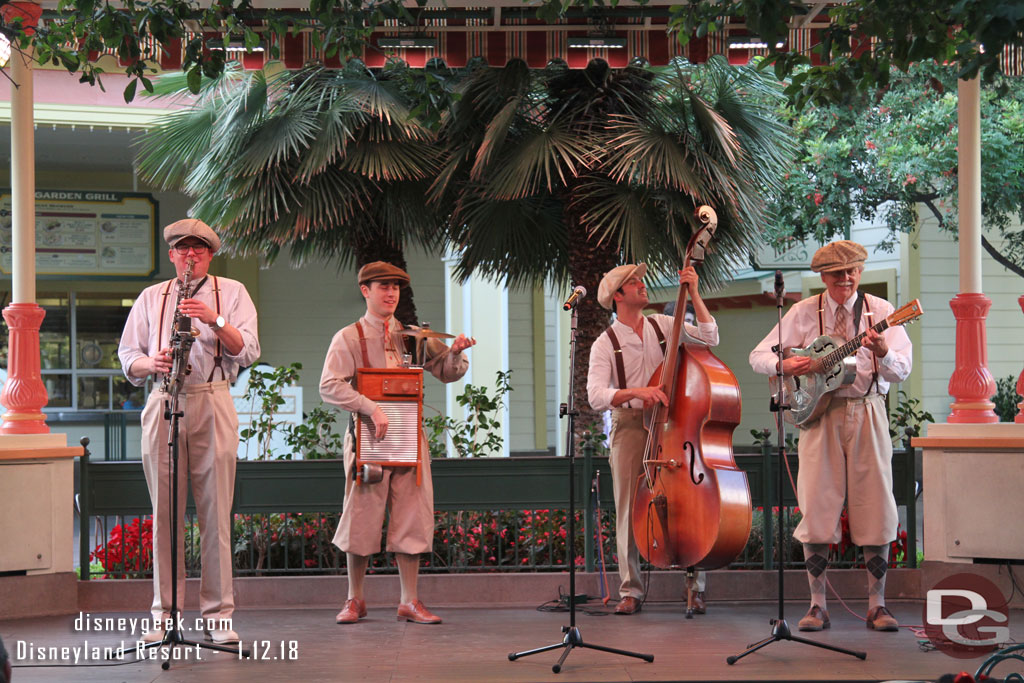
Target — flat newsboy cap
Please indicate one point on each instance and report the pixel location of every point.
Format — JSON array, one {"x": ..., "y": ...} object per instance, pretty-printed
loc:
[
  {"x": 614, "y": 279},
  {"x": 191, "y": 227},
  {"x": 381, "y": 270},
  {"x": 838, "y": 255}
]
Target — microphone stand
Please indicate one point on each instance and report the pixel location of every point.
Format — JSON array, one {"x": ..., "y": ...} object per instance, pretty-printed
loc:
[
  {"x": 573, "y": 638},
  {"x": 781, "y": 629}
]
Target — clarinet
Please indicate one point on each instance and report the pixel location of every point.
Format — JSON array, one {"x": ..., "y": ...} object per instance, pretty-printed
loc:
[{"x": 182, "y": 337}]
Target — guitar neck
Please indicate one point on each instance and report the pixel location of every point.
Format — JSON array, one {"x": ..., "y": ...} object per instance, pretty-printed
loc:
[{"x": 850, "y": 347}]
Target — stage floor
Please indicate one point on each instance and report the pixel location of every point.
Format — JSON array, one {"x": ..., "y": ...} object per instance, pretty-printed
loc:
[{"x": 473, "y": 645}]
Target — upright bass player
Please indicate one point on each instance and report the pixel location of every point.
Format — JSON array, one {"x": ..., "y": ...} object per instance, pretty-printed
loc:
[{"x": 622, "y": 361}]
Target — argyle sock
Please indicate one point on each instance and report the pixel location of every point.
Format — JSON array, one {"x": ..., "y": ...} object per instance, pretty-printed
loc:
[
  {"x": 816, "y": 558},
  {"x": 876, "y": 559}
]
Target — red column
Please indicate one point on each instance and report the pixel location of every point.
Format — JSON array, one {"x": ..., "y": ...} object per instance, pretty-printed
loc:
[
  {"x": 24, "y": 393},
  {"x": 972, "y": 384},
  {"x": 1020, "y": 380}
]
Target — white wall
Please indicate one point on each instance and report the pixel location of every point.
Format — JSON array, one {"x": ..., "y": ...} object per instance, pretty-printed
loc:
[
  {"x": 520, "y": 357},
  {"x": 939, "y": 263}
]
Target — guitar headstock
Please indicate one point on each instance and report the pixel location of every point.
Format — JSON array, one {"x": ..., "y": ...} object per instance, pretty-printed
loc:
[{"x": 906, "y": 313}]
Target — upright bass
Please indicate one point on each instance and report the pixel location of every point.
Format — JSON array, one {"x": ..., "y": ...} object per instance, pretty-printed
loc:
[{"x": 692, "y": 505}]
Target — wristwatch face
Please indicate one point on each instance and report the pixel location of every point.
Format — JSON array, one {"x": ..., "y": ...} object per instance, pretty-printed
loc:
[{"x": 220, "y": 321}]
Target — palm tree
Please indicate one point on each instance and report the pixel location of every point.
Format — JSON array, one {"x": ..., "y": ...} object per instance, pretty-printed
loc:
[
  {"x": 560, "y": 175},
  {"x": 321, "y": 162}
]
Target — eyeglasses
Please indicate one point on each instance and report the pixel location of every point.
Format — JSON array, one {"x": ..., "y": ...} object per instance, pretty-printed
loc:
[{"x": 197, "y": 248}]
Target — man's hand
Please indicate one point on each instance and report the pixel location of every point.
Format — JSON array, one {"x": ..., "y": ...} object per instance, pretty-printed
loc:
[
  {"x": 461, "y": 343},
  {"x": 650, "y": 396},
  {"x": 796, "y": 365},
  {"x": 160, "y": 363},
  {"x": 380, "y": 422},
  {"x": 876, "y": 342},
  {"x": 688, "y": 278},
  {"x": 194, "y": 308}
]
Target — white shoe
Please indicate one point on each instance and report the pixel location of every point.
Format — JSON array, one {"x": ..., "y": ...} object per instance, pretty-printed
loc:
[
  {"x": 222, "y": 636},
  {"x": 154, "y": 636}
]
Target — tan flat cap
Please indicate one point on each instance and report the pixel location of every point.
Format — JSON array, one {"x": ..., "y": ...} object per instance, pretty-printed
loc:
[
  {"x": 191, "y": 227},
  {"x": 613, "y": 280},
  {"x": 838, "y": 255},
  {"x": 381, "y": 270}
]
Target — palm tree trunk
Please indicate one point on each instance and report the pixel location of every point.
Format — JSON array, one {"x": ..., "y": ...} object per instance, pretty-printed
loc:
[
  {"x": 369, "y": 250},
  {"x": 589, "y": 260}
]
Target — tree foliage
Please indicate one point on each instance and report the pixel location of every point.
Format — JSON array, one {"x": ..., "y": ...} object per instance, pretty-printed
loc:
[
  {"x": 319, "y": 163},
  {"x": 893, "y": 152},
  {"x": 866, "y": 39},
  {"x": 896, "y": 34}
]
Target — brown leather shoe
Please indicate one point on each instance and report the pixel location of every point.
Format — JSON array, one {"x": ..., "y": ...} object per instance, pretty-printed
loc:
[
  {"x": 816, "y": 619},
  {"x": 698, "y": 603},
  {"x": 881, "y": 619},
  {"x": 628, "y": 605},
  {"x": 418, "y": 614},
  {"x": 353, "y": 611}
]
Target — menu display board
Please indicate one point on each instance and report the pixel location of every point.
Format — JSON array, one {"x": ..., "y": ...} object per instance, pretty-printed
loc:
[{"x": 92, "y": 233}]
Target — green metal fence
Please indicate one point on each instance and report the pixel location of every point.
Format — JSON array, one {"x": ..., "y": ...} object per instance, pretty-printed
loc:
[{"x": 493, "y": 514}]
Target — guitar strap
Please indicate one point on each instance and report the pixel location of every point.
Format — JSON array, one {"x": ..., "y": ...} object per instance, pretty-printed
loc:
[
  {"x": 858, "y": 307},
  {"x": 620, "y": 367}
]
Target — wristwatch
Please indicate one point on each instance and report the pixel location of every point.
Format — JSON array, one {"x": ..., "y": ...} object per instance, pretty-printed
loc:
[{"x": 219, "y": 323}]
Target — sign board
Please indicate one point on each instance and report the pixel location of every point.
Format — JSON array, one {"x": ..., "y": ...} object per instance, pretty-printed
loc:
[
  {"x": 796, "y": 256},
  {"x": 88, "y": 233}
]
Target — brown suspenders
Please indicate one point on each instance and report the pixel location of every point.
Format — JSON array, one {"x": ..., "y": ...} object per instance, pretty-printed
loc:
[
  {"x": 362, "y": 345},
  {"x": 620, "y": 366},
  {"x": 218, "y": 354}
]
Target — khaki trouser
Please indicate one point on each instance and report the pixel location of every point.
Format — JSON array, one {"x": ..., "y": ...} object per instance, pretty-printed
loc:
[
  {"x": 846, "y": 455},
  {"x": 628, "y": 439},
  {"x": 410, "y": 508},
  {"x": 207, "y": 454}
]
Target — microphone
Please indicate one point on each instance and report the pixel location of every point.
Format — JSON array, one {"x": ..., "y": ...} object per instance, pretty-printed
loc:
[
  {"x": 577, "y": 295},
  {"x": 780, "y": 288}
]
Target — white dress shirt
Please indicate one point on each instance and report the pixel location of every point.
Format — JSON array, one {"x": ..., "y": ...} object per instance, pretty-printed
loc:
[
  {"x": 800, "y": 328},
  {"x": 142, "y": 338},
  {"x": 640, "y": 357}
]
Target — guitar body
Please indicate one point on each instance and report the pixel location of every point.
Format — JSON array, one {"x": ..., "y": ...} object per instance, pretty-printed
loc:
[{"x": 810, "y": 394}]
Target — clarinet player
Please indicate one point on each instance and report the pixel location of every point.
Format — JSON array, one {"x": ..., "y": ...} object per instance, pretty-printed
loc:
[{"x": 224, "y": 318}]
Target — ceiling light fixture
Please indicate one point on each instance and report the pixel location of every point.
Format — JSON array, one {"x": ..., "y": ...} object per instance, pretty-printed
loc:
[
  {"x": 750, "y": 43},
  {"x": 599, "y": 42},
  {"x": 398, "y": 42},
  {"x": 238, "y": 45}
]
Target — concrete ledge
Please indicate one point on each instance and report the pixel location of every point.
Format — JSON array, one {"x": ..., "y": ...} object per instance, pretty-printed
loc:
[
  {"x": 508, "y": 590},
  {"x": 38, "y": 595}
]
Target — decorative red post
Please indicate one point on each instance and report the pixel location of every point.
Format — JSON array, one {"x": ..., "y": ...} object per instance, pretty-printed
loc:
[
  {"x": 24, "y": 393},
  {"x": 971, "y": 385},
  {"x": 1020, "y": 380}
]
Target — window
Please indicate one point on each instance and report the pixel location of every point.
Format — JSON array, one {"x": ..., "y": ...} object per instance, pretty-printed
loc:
[{"x": 78, "y": 342}]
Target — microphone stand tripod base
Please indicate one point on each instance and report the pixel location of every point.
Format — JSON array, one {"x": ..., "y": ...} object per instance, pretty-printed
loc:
[
  {"x": 781, "y": 631},
  {"x": 572, "y": 639}
]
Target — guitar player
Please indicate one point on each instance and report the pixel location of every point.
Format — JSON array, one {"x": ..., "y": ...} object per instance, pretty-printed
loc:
[{"x": 846, "y": 454}]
